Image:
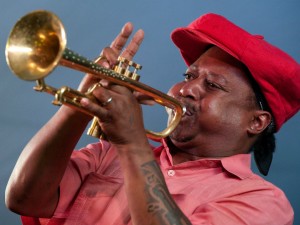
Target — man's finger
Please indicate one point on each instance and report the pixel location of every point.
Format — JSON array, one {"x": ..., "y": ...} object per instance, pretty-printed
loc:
[
  {"x": 134, "y": 45},
  {"x": 120, "y": 41}
]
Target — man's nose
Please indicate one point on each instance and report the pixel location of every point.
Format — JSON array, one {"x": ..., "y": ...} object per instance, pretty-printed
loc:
[{"x": 190, "y": 90}]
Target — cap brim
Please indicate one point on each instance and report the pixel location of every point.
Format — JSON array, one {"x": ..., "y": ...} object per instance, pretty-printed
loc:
[{"x": 193, "y": 43}]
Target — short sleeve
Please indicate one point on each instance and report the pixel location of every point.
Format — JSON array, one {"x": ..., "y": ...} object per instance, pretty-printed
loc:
[{"x": 83, "y": 162}]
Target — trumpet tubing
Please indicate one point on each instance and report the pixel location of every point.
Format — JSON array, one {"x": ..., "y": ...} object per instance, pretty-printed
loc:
[{"x": 37, "y": 45}]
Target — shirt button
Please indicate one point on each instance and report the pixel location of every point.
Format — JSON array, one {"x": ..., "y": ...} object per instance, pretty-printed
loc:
[{"x": 171, "y": 173}]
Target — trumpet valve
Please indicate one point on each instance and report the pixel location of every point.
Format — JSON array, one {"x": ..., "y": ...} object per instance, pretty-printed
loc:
[{"x": 128, "y": 68}]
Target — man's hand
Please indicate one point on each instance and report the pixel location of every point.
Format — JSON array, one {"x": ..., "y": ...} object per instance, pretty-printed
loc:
[
  {"x": 109, "y": 55},
  {"x": 118, "y": 110}
]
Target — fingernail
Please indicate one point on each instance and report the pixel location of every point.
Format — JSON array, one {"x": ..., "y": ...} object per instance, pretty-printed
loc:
[
  {"x": 84, "y": 101},
  {"x": 106, "y": 65}
]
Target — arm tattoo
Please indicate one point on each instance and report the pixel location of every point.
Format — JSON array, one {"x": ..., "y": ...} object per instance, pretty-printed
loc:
[{"x": 160, "y": 202}]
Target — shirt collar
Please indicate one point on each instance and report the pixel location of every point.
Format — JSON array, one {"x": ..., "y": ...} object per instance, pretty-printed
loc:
[{"x": 238, "y": 165}]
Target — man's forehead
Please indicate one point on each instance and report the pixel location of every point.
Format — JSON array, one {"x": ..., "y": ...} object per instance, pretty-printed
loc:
[
  {"x": 220, "y": 54},
  {"x": 211, "y": 60}
]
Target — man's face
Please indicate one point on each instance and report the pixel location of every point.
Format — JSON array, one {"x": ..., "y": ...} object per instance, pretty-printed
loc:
[{"x": 218, "y": 98}]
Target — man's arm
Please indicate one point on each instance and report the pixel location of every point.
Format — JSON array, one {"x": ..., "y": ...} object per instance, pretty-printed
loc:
[
  {"x": 148, "y": 196},
  {"x": 33, "y": 185}
]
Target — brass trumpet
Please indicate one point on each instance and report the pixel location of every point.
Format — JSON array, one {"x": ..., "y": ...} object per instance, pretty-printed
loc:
[{"x": 37, "y": 44}]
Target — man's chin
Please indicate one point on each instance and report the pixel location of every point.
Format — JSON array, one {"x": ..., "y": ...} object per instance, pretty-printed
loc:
[{"x": 180, "y": 136}]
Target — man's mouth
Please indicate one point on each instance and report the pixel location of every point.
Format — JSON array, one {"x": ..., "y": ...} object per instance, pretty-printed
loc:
[{"x": 188, "y": 110}]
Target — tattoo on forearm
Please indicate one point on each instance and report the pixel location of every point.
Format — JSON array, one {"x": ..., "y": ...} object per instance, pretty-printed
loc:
[{"x": 160, "y": 202}]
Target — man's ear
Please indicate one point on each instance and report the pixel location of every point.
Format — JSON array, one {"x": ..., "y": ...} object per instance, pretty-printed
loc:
[{"x": 260, "y": 121}]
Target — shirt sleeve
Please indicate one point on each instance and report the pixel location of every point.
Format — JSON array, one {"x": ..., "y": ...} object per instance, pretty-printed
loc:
[
  {"x": 258, "y": 207},
  {"x": 83, "y": 162}
]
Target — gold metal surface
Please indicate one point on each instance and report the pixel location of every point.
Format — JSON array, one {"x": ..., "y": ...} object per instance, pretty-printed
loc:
[{"x": 37, "y": 44}]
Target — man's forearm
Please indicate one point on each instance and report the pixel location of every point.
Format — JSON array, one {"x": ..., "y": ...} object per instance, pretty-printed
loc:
[
  {"x": 160, "y": 202},
  {"x": 149, "y": 199},
  {"x": 33, "y": 185}
]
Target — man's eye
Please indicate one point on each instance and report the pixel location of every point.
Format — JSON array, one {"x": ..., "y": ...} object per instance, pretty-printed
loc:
[
  {"x": 187, "y": 76},
  {"x": 213, "y": 85}
]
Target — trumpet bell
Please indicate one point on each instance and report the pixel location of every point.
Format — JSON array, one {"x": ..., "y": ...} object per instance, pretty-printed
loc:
[{"x": 38, "y": 39}]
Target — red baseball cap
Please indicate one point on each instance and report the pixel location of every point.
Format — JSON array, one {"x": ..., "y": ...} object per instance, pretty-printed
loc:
[{"x": 276, "y": 73}]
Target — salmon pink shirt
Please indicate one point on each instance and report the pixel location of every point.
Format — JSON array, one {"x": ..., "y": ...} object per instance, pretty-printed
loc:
[{"x": 208, "y": 191}]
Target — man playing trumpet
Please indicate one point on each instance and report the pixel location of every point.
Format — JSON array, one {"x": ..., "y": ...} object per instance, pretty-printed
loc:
[{"x": 238, "y": 90}]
